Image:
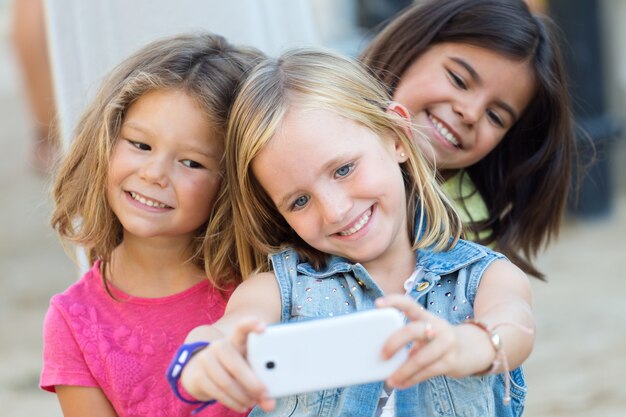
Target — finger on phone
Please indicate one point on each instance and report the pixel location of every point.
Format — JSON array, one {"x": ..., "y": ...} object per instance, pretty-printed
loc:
[
  {"x": 423, "y": 363},
  {"x": 411, "y": 309},
  {"x": 222, "y": 383},
  {"x": 267, "y": 404},
  {"x": 239, "y": 337},
  {"x": 418, "y": 334},
  {"x": 236, "y": 368},
  {"x": 227, "y": 396}
]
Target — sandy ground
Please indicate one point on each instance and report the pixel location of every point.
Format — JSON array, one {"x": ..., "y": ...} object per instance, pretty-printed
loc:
[{"x": 576, "y": 369}]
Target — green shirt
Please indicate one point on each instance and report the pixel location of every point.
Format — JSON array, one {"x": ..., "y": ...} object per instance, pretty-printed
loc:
[{"x": 467, "y": 200}]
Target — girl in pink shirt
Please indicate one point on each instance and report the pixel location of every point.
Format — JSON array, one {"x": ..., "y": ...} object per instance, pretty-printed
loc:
[{"x": 140, "y": 190}]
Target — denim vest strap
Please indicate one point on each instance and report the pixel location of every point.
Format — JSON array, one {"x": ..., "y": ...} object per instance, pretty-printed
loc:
[
  {"x": 284, "y": 265},
  {"x": 462, "y": 266}
]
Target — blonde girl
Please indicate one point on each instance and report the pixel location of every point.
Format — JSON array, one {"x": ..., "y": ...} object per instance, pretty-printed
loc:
[
  {"x": 325, "y": 179},
  {"x": 139, "y": 190}
]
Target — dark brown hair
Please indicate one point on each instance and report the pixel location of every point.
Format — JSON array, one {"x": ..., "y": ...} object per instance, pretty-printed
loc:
[{"x": 525, "y": 180}]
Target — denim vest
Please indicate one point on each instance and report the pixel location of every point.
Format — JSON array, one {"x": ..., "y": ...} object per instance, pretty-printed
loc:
[{"x": 446, "y": 285}]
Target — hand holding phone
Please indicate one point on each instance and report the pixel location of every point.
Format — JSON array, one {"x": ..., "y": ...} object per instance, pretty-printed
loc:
[{"x": 300, "y": 357}]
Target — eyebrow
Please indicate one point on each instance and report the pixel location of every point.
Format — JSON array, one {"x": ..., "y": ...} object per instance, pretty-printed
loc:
[
  {"x": 206, "y": 152},
  {"x": 476, "y": 77},
  {"x": 189, "y": 148},
  {"x": 133, "y": 126}
]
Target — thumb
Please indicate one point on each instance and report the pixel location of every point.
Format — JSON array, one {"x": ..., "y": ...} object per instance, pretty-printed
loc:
[{"x": 239, "y": 337}]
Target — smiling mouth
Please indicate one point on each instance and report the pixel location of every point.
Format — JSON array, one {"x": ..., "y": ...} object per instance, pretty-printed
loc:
[
  {"x": 147, "y": 201},
  {"x": 358, "y": 225},
  {"x": 444, "y": 132}
]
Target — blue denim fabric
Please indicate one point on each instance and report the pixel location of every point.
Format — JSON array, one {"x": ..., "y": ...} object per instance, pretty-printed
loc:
[{"x": 446, "y": 286}]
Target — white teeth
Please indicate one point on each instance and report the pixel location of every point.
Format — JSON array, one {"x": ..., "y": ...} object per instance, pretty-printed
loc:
[
  {"x": 145, "y": 201},
  {"x": 444, "y": 132},
  {"x": 358, "y": 226}
]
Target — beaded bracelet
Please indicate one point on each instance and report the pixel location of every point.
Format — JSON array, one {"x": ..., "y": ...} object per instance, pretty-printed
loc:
[
  {"x": 496, "y": 342},
  {"x": 500, "y": 358},
  {"x": 174, "y": 370}
]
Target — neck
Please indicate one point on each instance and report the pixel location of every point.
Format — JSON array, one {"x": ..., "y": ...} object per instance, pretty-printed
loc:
[
  {"x": 152, "y": 267},
  {"x": 392, "y": 270}
]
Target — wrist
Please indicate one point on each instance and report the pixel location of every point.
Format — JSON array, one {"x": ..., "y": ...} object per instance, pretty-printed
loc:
[
  {"x": 475, "y": 351},
  {"x": 495, "y": 351},
  {"x": 179, "y": 361}
]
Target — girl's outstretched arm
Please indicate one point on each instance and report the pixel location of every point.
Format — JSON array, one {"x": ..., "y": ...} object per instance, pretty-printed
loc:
[
  {"x": 221, "y": 371},
  {"x": 503, "y": 304},
  {"x": 84, "y": 401},
  {"x": 502, "y": 307}
]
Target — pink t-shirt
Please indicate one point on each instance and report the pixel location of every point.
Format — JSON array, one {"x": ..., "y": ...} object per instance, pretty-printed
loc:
[{"x": 124, "y": 346}]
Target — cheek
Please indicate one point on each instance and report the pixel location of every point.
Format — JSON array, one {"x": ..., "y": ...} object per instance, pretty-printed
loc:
[
  {"x": 206, "y": 191},
  {"x": 493, "y": 139},
  {"x": 423, "y": 93},
  {"x": 114, "y": 177},
  {"x": 304, "y": 224},
  {"x": 409, "y": 99},
  {"x": 198, "y": 193},
  {"x": 399, "y": 189},
  {"x": 121, "y": 163},
  {"x": 113, "y": 190},
  {"x": 297, "y": 222}
]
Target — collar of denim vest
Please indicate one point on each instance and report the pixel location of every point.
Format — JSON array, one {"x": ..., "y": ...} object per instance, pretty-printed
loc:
[{"x": 432, "y": 262}]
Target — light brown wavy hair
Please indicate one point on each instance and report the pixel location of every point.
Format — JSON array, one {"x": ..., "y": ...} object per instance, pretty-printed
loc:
[
  {"x": 204, "y": 66},
  {"x": 318, "y": 79}
]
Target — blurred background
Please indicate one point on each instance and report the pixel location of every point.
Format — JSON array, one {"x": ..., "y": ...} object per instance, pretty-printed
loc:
[{"x": 579, "y": 360}]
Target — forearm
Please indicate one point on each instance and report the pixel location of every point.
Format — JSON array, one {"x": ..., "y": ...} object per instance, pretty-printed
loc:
[
  {"x": 205, "y": 333},
  {"x": 503, "y": 307},
  {"x": 258, "y": 297},
  {"x": 477, "y": 351},
  {"x": 514, "y": 323}
]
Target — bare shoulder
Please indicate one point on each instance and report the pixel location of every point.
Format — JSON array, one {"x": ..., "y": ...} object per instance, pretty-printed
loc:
[
  {"x": 503, "y": 277},
  {"x": 262, "y": 281},
  {"x": 257, "y": 296},
  {"x": 506, "y": 270}
]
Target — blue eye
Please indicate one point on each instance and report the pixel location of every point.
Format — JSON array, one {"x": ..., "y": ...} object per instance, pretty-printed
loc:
[
  {"x": 191, "y": 164},
  {"x": 300, "y": 202},
  {"x": 344, "y": 170}
]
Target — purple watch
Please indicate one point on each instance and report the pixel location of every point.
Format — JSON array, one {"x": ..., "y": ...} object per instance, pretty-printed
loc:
[{"x": 181, "y": 358}]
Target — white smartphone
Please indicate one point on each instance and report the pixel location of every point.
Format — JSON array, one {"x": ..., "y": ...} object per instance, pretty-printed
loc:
[{"x": 327, "y": 353}]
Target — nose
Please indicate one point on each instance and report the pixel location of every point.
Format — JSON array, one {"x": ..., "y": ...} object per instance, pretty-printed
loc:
[
  {"x": 155, "y": 171},
  {"x": 334, "y": 204},
  {"x": 469, "y": 110}
]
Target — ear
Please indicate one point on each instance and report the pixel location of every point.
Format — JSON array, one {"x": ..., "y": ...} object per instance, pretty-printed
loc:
[{"x": 402, "y": 112}]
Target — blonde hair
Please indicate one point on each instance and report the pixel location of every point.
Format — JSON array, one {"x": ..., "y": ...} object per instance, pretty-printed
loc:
[
  {"x": 207, "y": 68},
  {"x": 318, "y": 79}
]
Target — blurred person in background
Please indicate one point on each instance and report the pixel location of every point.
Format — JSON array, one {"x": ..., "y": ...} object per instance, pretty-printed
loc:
[{"x": 28, "y": 35}]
